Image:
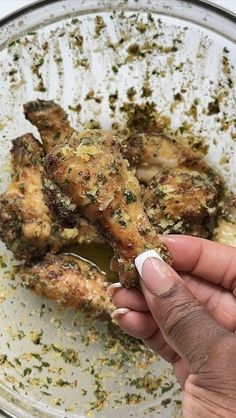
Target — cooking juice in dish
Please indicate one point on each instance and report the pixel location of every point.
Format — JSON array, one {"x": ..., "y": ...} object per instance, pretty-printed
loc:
[{"x": 98, "y": 254}]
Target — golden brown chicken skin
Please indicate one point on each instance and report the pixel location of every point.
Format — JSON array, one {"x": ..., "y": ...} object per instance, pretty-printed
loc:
[
  {"x": 69, "y": 281},
  {"x": 183, "y": 201},
  {"x": 25, "y": 223},
  {"x": 34, "y": 214},
  {"x": 182, "y": 194},
  {"x": 92, "y": 172},
  {"x": 51, "y": 121}
]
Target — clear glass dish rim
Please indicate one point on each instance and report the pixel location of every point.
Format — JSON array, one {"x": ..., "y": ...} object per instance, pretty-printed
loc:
[{"x": 206, "y": 4}]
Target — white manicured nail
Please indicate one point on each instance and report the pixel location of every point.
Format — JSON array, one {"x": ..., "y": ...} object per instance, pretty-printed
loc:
[
  {"x": 113, "y": 287},
  {"x": 118, "y": 312},
  {"x": 139, "y": 261}
]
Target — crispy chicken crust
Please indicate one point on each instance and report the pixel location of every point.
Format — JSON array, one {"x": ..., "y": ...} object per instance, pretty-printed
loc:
[
  {"x": 183, "y": 202},
  {"x": 70, "y": 282}
]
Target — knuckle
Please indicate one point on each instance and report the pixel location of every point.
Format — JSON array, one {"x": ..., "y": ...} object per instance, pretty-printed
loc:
[
  {"x": 219, "y": 371},
  {"x": 180, "y": 317},
  {"x": 224, "y": 351}
]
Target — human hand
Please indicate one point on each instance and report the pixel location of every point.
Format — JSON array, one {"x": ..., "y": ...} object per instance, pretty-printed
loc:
[{"x": 190, "y": 320}]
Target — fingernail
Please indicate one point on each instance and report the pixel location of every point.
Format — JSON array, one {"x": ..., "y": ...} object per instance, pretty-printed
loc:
[
  {"x": 156, "y": 275},
  {"x": 113, "y": 288},
  {"x": 143, "y": 257},
  {"x": 119, "y": 312}
]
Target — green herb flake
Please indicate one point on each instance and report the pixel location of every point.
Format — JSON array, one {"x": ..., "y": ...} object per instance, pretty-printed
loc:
[
  {"x": 100, "y": 25},
  {"x": 131, "y": 92},
  {"x": 16, "y": 57},
  {"x": 166, "y": 402},
  {"x": 62, "y": 383},
  {"x": 91, "y": 197},
  {"x": 22, "y": 187},
  {"x": 148, "y": 382},
  {"x": 21, "y": 334},
  {"x": 17, "y": 361},
  {"x": 83, "y": 392},
  {"x": 115, "y": 69},
  {"x": 166, "y": 388},
  {"x": 3, "y": 358},
  {"x": 27, "y": 371},
  {"x": 57, "y": 136},
  {"x": 130, "y": 197},
  {"x": 75, "y": 108}
]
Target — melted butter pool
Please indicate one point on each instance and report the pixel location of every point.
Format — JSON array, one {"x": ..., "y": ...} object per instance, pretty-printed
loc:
[{"x": 98, "y": 254}]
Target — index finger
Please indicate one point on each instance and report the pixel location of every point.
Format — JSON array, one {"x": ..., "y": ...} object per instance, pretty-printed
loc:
[{"x": 206, "y": 259}]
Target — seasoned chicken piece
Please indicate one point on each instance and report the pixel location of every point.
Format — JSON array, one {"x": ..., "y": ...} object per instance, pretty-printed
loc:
[
  {"x": 183, "y": 201},
  {"x": 25, "y": 224},
  {"x": 151, "y": 153},
  {"x": 70, "y": 282},
  {"x": 29, "y": 226},
  {"x": 70, "y": 228},
  {"x": 90, "y": 169},
  {"x": 92, "y": 172},
  {"x": 182, "y": 193},
  {"x": 51, "y": 121}
]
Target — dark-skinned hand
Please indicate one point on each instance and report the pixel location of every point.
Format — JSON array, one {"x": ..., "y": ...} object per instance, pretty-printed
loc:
[{"x": 187, "y": 314}]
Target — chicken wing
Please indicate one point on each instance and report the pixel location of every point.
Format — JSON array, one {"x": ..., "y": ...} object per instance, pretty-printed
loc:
[
  {"x": 69, "y": 281},
  {"x": 90, "y": 169},
  {"x": 51, "y": 121},
  {"x": 182, "y": 193},
  {"x": 25, "y": 224},
  {"x": 151, "y": 153},
  {"x": 28, "y": 225},
  {"x": 183, "y": 202}
]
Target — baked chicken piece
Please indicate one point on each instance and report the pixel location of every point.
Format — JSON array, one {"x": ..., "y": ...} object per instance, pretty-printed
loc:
[
  {"x": 34, "y": 215},
  {"x": 182, "y": 193},
  {"x": 150, "y": 153},
  {"x": 25, "y": 223},
  {"x": 69, "y": 281},
  {"x": 90, "y": 169},
  {"x": 51, "y": 121},
  {"x": 183, "y": 201}
]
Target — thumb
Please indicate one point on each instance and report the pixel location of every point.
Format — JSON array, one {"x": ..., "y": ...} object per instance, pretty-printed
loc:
[{"x": 185, "y": 324}]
